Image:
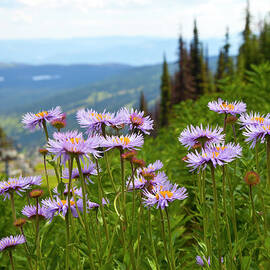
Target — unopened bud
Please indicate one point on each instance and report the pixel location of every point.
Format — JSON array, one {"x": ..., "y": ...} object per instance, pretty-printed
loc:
[
  {"x": 129, "y": 155},
  {"x": 36, "y": 193},
  {"x": 19, "y": 222},
  {"x": 138, "y": 162},
  {"x": 231, "y": 119},
  {"x": 43, "y": 151},
  {"x": 252, "y": 178}
]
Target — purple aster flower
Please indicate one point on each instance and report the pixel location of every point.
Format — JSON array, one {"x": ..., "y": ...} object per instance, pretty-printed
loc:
[
  {"x": 198, "y": 135},
  {"x": 33, "y": 180},
  {"x": 91, "y": 205},
  {"x": 93, "y": 120},
  {"x": 31, "y": 210},
  {"x": 130, "y": 142},
  {"x": 77, "y": 192},
  {"x": 73, "y": 143},
  {"x": 13, "y": 184},
  {"x": 149, "y": 172},
  {"x": 11, "y": 242},
  {"x": 221, "y": 106},
  {"x": 254, "y": 119},
  {"x": 19, "y": 184},
  {"x": 140, "y": 182},
  {"x": 32, "y": 120},
  {"x": 216, "y": 154},
  {"x": 58, "y": 206},
  {"x": 87, "y": 172},
  {"x": 162, "y": 195},
  {"x": 254, "y": 133},
  {"x": 136, "y": 120},
  {"x": 200, "y": 261}
]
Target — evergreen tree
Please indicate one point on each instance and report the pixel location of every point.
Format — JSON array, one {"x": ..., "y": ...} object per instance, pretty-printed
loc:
[
  {"x": 183, "y": 83},
  {"x": 264, "y": 41},
  {"x": 225, "y": 62},
  {"x": 197, "y": 61},
  {"x": 249, "y": 50},
  {"x": 165, "y": 88},
  {"x": 143, "y": 104}
]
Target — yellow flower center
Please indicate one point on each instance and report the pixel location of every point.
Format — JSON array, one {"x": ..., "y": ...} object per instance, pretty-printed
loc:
[
  {"x": 41, "y": 114},
  {"x": 221, "y": 148},
  {"x": 266, "y": 127},
  {"x": 75, "y": 140},
  {"x": 100, "y": 116},
  {"x": 164, "y": 193},
  {"x": 227, "y": 106},
  {"x": 258, "y": 119},
  {"x": 122, "y": 140},
  {"x": 215, "y": 154},
  {"x": 136, "y": 120},
  {"x": 65, "y": 202}
]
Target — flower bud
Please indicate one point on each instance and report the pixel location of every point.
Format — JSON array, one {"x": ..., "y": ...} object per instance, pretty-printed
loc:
[
  {"x": 19, "y": 222},
  {"x": 36, "y": 193},
  {"x": 231, "y": 119},
  {"x": 138, "y": 162},
  {"x": 43, "y": 151},
  {"x": 129, "y": 155},
  {"x": 252, "y": 178}
]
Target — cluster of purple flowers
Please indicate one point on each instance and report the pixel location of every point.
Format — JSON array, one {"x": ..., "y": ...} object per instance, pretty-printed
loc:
[
  {"x": 156, "y": 189},
  {"x": 33, "y": 120},
  {"x": 213, "y": 150},
  {"x": 18, "y": 185}
]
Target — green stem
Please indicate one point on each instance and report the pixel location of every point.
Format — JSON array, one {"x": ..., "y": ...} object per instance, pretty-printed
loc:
[
  {"x": 46, "y": 175},
  {"x": 234, "y": 133},
  {"x": 45, "y": 129},
  {"x": 101, "y": 204},
  {"x": 67, "y": 239},
  {"x": 68, "y": 214},
  {"x": 109, "y": 170},
  {"x": 84, "y": 213},
  {"x": 37, "y": 236},
  {"x": 11, "y": 260},
  {"x": 226, "y": 214},
  {"x": 139, "y": 231},
  {"x": 12, "y": 205},
  {"x": 151, "y": 239},
  {"x": 257, "y": 158},
  {"x": 133, "y": 191},
  {"x": 216, "y": 214},
  {"x": 27, "y": 250},
  {"x": 164, "y": 238},
  {"x": 234, "y": 215},
  {"x": 225, "y": 123},
  {"x": 205, "y": 217},
  {"x": 268, "y": 160},
  {"x": 171, "y": 240},
  {"x": 261, "y": 196},
  {"x": 254, "y": 217}
]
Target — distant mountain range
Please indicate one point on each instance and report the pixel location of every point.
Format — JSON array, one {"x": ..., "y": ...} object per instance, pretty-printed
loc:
[
  {"x": 26, "y": 88},
  {"x": 98, "y": 50}
]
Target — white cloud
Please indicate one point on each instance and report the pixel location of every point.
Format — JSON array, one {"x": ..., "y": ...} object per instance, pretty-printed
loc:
[{"x": 73, "y": 18}]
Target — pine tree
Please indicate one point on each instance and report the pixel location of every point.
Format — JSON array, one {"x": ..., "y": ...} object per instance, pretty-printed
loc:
[
  {"x": 143, "y": 104},
  {"x": 183, "y": 83},
  {"x": 249, "y": 50},
  {"x": 264, "y": 41},
  {"x": 165, "y": 88},
  {"x": 225, "y": 62},
  {"x": 196, "y": 61}
]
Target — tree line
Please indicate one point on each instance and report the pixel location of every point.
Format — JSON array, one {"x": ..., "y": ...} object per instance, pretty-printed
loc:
[{"x": 193, "y": 76}]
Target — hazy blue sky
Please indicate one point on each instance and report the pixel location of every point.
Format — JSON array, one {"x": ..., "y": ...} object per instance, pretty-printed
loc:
[{"x": 89, "y": 18}]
